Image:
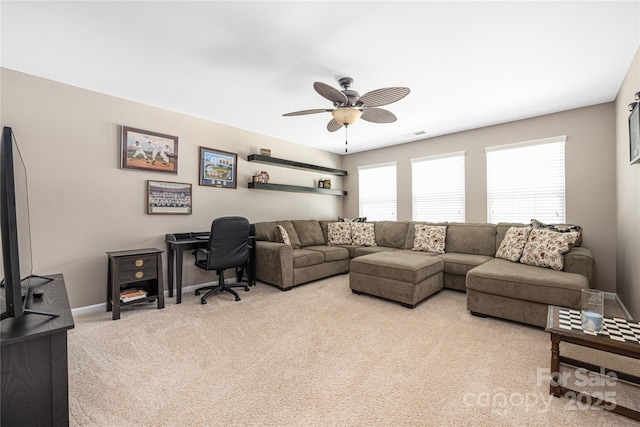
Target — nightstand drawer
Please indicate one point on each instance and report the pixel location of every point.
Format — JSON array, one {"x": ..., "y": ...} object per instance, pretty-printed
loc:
[
  {"x": 138, "y": 262},
  {"x": 131, "y": 276}
]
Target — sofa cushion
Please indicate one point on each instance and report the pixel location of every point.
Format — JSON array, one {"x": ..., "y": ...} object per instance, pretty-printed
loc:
[
  {"x": 470, "y": 238},
  {"x": 266, "y": 231},
  {"x": 339, "y": 233},
  {"x": 526, "y": 282},
  {"x": 330, "y": 253},
  {"x": 365, "y": 250},
  {"x": 513, "y": 243},
  {"x": 309, "y": 232},
  {"x": 305, "y": 258},
  {"x": 284, "y": 235},
  {"x": 291, "y": 232},
  {"x": 363, "y": 234},
  {"x": 460, "y": 264},
  {"x": 391, "y": 234},
  {"x": 502, "y": 227},
  {"x": 430, "y": 238},
  {"x": 546, "y": 248}
]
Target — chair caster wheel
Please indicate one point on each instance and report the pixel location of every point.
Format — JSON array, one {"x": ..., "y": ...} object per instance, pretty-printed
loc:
[
  {"x": 246, "y": 289},
  {"x": 203, "y": 301},
  {"x": 197, "y": 293},
  {"x": 237, "y": 298}
]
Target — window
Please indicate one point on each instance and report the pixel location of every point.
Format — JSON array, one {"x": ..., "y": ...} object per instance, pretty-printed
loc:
[
  {"x": 526, "y": 181},
  {"x": 437, "y": 186},
  {"x": 377, "y": 189}
]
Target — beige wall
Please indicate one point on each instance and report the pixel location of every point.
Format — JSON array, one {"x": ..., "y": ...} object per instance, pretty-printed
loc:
[
  {"x": 628, "y": 200},
  {"x": 82, "y": 204},
  {"x": 590, "y": 173}
]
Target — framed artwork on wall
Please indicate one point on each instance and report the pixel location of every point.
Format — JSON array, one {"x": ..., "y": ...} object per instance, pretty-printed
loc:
[
  {"x": 634, "y": 134},
  {"x": 218, "y": 168},
  {"x": 150, "y": 151},
  {"x": 169, "y": 198}
]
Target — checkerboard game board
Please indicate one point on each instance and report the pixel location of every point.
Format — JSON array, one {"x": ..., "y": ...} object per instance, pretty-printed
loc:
[{"x": 615, "y": 328}]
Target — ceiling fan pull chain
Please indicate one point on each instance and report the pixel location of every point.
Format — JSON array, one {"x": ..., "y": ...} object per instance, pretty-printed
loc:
[{"x": 346, "y": 137}]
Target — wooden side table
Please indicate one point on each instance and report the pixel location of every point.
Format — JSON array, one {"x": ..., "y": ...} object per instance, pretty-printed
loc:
[
  {"x": 618, "y": 336},
  {"x": 138, "y": 269}
]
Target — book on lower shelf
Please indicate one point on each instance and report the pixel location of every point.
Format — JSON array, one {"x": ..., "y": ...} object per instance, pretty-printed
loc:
[{"x": 129, "y": 295}]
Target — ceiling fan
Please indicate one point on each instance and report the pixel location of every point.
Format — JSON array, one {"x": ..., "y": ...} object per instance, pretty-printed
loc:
[{"x": 349, "y": 106}]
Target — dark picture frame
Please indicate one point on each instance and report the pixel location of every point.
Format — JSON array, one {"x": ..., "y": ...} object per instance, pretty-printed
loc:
[
  {"x": 218, "y": 168},
  {"x": 149, "y": 151},
  {"x": 634, "y": 134},
  {"x": 169, "y": 198}
]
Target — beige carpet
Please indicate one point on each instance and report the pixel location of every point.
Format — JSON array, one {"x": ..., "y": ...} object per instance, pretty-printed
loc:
[{"x": 317, "y": 355}]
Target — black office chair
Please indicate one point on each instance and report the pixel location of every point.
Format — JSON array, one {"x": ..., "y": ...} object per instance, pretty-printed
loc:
[{"x": 228, "y": 247}]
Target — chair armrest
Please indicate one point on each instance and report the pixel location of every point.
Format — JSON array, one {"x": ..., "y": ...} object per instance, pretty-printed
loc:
[
  {"x": 201, "y": 251},
  {"x": 274, "y": 263}
]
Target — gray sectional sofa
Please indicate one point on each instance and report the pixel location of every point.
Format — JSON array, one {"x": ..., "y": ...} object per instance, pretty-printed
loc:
[{"x": 495, "y": 287}]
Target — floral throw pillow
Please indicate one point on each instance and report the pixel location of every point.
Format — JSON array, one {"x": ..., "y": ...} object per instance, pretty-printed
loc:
[
  {"x": 513, "y": 243},
  {"x": 430, "y": 238},
  {"x": 339, "y": 233},
  {"x": 362, "y": 233},
  {"x": 285, "y": 235},
  {"x": 546, "y": 248}
]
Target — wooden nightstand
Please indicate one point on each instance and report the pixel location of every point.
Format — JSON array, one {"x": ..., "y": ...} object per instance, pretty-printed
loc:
[{"x": 134, "y": 276}]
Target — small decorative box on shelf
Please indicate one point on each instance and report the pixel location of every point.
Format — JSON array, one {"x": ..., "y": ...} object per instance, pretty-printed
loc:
[{"x": 134, "y": 276}]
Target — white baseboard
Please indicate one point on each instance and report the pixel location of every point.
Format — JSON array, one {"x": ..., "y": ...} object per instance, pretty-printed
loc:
[
  {"x": 614, "y": 296},
  {"x": 103, "y": 306}
]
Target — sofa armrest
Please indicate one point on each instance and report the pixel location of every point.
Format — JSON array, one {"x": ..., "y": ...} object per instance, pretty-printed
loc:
[
  {"x": 274, "y": 263},
  {"x": 579, "y": 260}
]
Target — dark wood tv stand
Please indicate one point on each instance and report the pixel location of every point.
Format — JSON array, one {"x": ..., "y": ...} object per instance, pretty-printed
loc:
[{"x": 35, "y": 382}]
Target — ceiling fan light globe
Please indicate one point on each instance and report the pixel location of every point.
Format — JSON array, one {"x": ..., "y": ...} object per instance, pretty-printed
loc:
[{"x": 346, "y": 115}]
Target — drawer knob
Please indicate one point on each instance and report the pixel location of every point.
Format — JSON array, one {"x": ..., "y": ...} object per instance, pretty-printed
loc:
[
  {"x": 139, "y": 275},
  {"x": 139, "y": 263}
]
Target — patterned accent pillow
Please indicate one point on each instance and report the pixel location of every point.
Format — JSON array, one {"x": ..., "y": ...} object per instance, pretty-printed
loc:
[
  {"x": 512, "y": 245},
  {"x": 359, "y": 219},
  {"x": 430, "y": 238},
  {"x": 363, "y": 234},
  {"x": 339, "y": 233},
  {"x": 560, "y": 228},
  {"x": 285, "y": 235},
  {"x": 546, "y": 248}
]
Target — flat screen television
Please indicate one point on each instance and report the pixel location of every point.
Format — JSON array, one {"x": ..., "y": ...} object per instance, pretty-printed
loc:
[{"x": 15, "y": 228}]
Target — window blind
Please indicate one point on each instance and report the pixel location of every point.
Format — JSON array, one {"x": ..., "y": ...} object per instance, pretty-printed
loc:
[
  {"x": 378, "y": 192},
  {"x": 526, "y": 180},
  {"x": 437, "y": 188}
]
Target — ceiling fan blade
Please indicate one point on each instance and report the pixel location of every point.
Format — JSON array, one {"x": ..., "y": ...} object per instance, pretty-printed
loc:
[
  {"x": 332, "y": 94},
  {"x": 383, "y": 96},
  {"x": 333, "y": 125},
  {"x": 303, "y": 112},
  {"x": 378, "y": 115}
]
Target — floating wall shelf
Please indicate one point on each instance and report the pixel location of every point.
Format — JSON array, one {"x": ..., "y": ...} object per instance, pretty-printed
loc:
[
  {"x": 296, "y": 189},
  {"x": 295, "y": 165}
]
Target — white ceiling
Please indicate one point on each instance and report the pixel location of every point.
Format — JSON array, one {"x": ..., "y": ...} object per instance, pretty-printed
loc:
[{"x": 468, "y": 64}]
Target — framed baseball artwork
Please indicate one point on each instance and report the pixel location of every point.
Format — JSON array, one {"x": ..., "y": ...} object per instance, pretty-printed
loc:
[
  {"x": 150, "y": 151},
  {"x": 218, "y": 168},
  {"x": 169, "y": 198}
]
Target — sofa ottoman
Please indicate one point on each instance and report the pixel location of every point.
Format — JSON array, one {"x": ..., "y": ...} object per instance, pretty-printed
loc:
[{"x": 403, "y": 277}]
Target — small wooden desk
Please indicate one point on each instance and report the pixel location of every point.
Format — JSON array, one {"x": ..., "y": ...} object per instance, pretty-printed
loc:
[
  {"x": 177, "y": 243},
  {"x": 560, "y": 332}
]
